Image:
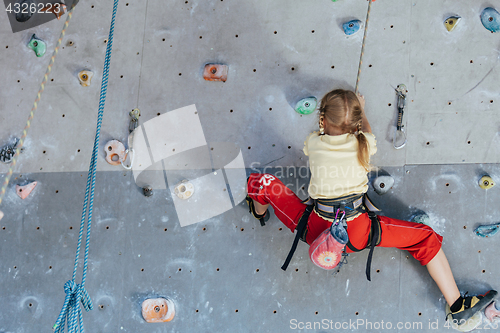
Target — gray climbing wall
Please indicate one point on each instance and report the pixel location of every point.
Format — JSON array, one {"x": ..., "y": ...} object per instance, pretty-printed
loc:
[{"x": 223, "y": 273}]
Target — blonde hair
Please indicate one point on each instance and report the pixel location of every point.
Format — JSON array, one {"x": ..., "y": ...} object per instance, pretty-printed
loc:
[{"x": 342, "y": 108}]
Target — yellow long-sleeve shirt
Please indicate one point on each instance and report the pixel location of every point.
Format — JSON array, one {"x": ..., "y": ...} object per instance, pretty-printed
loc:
[{"x": 334, "y": 165}]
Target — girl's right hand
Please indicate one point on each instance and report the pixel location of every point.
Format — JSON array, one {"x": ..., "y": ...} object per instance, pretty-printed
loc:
[{"x": 361, "y": 99}]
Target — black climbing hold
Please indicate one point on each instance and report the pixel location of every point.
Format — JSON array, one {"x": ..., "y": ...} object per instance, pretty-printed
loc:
[
  {"x": 8, "y": 152},
  {"x": 147, "y": 191},
  {"x": 24, "y": 15}
]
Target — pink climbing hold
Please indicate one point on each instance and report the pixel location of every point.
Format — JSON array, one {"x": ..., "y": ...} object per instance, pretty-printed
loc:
[
  {"x": 24, "y": 191},
  {"x": 491, "y": 312}
]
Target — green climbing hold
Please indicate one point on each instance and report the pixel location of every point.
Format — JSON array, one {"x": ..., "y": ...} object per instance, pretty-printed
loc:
[
  {"x": 37, "y": 45},
  {"x": 422, "y": 218},
  {"x": 306, "y": 105}
]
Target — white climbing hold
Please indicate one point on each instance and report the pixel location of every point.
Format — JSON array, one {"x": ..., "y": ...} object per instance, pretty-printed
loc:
[
  {"x": 1, "y": 215},
  {"x": 184, "y": 190},
  {"x": 115, "y": 152},
  {"x": 383, "y": 184},
  {"x": 25, "y": 190}
]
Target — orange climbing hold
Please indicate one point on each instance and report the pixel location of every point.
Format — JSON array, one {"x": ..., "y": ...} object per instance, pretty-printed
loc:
[
  {"x": 25, "y": 190},
  {"x": 158, "y": 310},
  {"x": 214, "y": 72}
]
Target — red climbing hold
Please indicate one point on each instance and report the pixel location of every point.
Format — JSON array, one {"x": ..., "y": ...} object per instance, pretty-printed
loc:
[
  {"x": 24, "y": 191},
  {"x": 492, "y": 312},
  {"x": 214, "y": 72},
  {"x": 158, "y": 310}
]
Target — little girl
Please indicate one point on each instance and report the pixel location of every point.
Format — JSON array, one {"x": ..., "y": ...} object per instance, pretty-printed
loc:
[{"x": 339, "y": 157}]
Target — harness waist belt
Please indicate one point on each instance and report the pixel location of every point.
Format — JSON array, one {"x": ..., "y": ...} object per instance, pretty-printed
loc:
[{"x": 352, "y": 205}]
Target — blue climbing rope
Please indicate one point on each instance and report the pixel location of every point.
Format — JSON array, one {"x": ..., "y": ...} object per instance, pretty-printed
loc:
[{"x": 76, "y": 293}]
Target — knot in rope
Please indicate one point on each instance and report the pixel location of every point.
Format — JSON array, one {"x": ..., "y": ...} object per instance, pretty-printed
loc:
[{"x": 71, "y": 311}]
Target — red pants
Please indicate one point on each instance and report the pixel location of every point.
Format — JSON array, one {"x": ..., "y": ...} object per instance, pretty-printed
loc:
[{"x": 418, "y": 239}]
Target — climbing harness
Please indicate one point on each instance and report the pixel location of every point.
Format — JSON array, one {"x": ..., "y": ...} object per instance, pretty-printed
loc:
[
  {"x": 363, "y": 45},
  {"x": 488, "y": 230},
  {"x": 35, "y": 104},
  {"x": 351, "y": 206},
  {"x": 301, "y": 234},
  {"x": 400, "y": 133},
  {"x": 374, "y": 239},
  {"x": 76, "y": 293}
]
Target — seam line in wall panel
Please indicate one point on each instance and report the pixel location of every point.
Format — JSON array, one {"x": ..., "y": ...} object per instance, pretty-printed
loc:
[{"x": 142, "y": 54}]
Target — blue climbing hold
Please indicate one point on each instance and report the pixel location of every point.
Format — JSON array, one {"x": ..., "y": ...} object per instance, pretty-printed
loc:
[
  {"x": 491, "y": 19},
  {"x": 487, "y": 230},
  {"x": 351, "y": 27}
]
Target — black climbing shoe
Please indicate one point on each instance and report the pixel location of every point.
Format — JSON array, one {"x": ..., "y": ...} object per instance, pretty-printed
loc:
[
  {"x": 251, "y": 209},
  {"x": 467, "y": 306}
]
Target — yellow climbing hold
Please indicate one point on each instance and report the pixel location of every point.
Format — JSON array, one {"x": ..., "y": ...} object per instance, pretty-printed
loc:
[
  {"x": 486, "y": 182},
  {"x": 451, "y": 22}
]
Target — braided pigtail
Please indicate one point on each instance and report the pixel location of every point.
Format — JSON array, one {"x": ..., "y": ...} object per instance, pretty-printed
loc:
[{"x": 363, "y": 148}]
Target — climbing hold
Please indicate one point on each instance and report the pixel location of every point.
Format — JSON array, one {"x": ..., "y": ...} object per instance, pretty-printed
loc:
[
  {"x": 184, "y": 190},
  {"x": 214, "y": 72},
  {"x": 37, "y": 45},
  {"x": 422, "y": 218},
  {"x": 115, "y": 152},
  {"x": 58, "y": 9},
  {"x": 134, "y": 119},
  {"x": 351, "y": 27},
  {"x": 451, "y": 22},
  {"x": 306, "y": 105},
  {"x": 25, "y": 190},
  {"x": 487, "y": 230},
  {"x": 492, "y": 311},
  {"x": 25, "y": 15},
  {"x": 85, "y": 77},
  {"x": 1, "y": 215},
  {"x": 382, "y": 184},
  {"x": 491, "y": 19},
  {"x": 158, "y": 310},
  {"x": 147, "y": 191},
  {"x": 486, "y": 182},
  {"x": 8, "y": 152}
]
